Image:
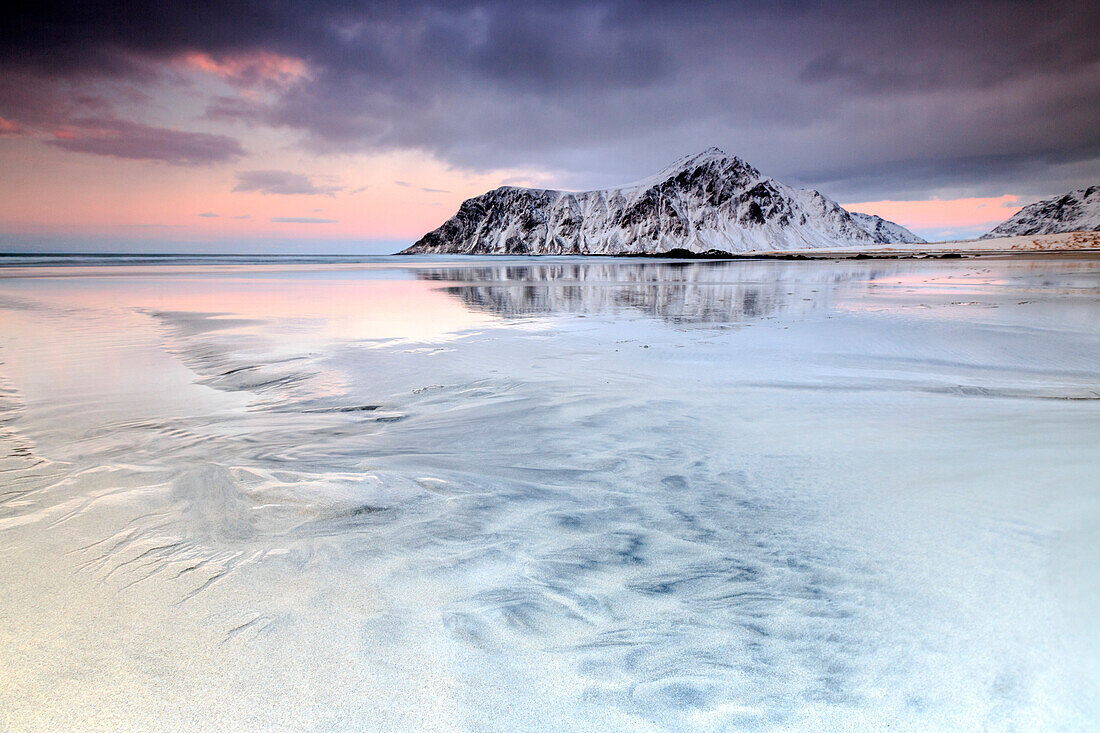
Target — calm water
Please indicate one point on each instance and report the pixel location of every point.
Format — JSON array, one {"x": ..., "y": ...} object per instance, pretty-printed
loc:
[{"x": 557, "y": 494}]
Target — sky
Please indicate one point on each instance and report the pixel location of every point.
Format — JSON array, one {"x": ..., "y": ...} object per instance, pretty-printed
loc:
[{"x": 276, "y": 126}]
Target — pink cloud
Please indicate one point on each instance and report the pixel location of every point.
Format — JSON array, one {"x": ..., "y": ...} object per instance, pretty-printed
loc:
[
  {"x": 249, "y": 69},
  {"x": 942, "y": 214}
]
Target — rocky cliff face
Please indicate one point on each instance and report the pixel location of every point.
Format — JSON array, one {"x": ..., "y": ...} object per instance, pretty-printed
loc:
[
  {"x": 704, "y": 202},
  {"x": 1076, "y": 211}
]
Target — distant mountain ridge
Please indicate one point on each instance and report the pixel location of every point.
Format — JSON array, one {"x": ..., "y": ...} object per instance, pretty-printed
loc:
[
  {"x": 884, "y": 230},
  {"x": 706, "y": 202},
  {"x": 1076, "y": 211}
]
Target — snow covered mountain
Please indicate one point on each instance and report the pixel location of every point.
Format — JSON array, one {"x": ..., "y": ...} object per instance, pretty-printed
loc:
[
  {"x": 709, "y": 201},
  {"x": 885, "y": 231},
  {"x": 1076, "y": 211}
]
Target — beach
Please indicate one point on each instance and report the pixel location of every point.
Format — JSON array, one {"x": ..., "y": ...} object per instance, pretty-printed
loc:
[{"x": 502, "y": 493}]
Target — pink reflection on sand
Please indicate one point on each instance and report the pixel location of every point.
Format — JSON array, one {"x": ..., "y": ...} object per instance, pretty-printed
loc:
[{"x": 330, "y": 306}]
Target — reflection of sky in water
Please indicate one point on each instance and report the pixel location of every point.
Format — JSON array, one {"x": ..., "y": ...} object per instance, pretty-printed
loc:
[{"x": 550, "y": 494}]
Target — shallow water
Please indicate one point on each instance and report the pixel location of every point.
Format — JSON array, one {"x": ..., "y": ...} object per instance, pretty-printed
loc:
[{"x": 566, "y": 494}]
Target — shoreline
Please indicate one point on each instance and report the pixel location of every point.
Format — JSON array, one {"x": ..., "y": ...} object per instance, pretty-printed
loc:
[
  {"x": 1069, "y": 243},
  {"x": 1072, "y": 245}
]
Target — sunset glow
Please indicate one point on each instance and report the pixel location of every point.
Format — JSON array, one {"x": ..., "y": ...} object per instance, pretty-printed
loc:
[
  {"x": 362, "y": 198},
  {"x": 963, "y": 214}
]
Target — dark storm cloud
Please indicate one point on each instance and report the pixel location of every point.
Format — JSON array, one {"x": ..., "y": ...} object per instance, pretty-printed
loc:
[
  {"x": 281, "y": 182},
  {"x": 867, "y": 100}
]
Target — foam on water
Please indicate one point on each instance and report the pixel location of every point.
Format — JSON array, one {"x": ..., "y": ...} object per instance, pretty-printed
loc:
[{"x": 495, "y": 494}]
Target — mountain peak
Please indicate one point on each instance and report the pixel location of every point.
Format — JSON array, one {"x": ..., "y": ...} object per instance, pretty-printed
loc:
[
  {"x": 710, "y": 155},
  {"x": 707, "y": 201},
  {"x": 713, "y": 157}
]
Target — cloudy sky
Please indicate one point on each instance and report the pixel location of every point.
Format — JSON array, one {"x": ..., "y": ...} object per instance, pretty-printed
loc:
[{"x": 339, "y": 126}]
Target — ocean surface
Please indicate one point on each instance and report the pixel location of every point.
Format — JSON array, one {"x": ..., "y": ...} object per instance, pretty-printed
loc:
[{"x": 549, "y": 494}]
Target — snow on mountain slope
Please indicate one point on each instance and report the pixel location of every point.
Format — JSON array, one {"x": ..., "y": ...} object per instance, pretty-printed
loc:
[
  {"x": 885, "y": 231},
  {"x": 703, "y": 202},
  {"x": 1076, "y": 211}
]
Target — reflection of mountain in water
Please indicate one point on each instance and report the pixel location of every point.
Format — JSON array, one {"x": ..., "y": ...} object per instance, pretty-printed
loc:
[{"x": 698, "y": 292}]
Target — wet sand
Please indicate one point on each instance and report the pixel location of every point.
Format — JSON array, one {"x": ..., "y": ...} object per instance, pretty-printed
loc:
[{"x": 567, "y": 493}]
